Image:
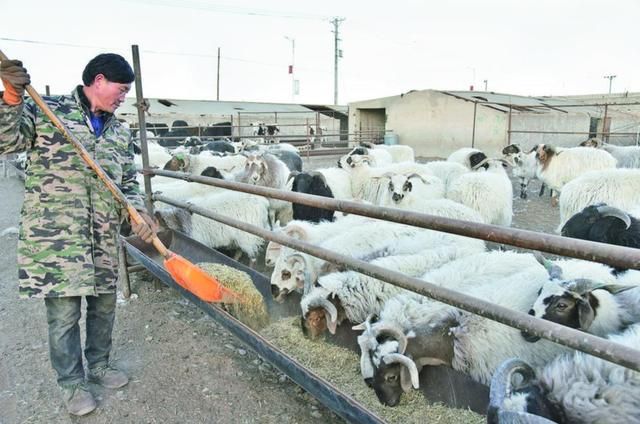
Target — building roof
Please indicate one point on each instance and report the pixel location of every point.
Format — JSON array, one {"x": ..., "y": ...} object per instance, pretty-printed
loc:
[
  {"x": 209, "y": 107},
  {"x": 501, "y": 102}
]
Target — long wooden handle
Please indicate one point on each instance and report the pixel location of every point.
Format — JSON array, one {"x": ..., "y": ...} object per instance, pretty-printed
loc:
[{"x": 77, "y": 144}]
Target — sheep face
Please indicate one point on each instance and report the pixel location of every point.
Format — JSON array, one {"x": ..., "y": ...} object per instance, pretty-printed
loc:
[
  {"x": 399, "y": 185},
  {"x": 175, "y": 219},
  {"x": 592, "y": 142},
  {"x": 288, "y": 275},
  {"x": 314, "y": 324},
  {"x": 254, "y": 170},
  {"x": 177, "y": 163},
  {"x": 386, "y": 384},
  {"x": 570, "y": 303},
  {"x": 354, "y": 158}
]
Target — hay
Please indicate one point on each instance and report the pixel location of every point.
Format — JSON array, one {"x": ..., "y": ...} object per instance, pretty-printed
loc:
[
  {"x": 252, "y": 311},
  {"x": 341, "y": 367}
]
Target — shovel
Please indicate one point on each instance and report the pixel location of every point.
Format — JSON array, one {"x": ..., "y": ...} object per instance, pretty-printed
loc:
[{"x": 185, "y": 273}]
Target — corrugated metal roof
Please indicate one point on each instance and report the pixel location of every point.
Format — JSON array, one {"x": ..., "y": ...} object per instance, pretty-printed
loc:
[
  {"x": 501, "y": 102},
  {"x": 209, "y": 107}
]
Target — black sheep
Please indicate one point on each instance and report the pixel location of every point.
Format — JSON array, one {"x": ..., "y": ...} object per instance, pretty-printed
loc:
[
  {"x": 604, "y": 224},
  {"x": 311, "y": 183}
]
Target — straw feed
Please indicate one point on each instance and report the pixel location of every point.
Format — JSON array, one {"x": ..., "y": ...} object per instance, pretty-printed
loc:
[
  {"x": 252, "y": 310},
  {"x": 341, "y": 367}
]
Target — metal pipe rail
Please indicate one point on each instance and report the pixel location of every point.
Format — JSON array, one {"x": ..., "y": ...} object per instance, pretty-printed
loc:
[
  {"x": 576, "y": 339},
  {"x": 617, "y": 256}
]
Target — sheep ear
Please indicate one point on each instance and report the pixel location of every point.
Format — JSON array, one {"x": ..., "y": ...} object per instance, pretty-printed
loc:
[
  {"x": 586, "y": 314},
  {"x": 272, "y": 253}
]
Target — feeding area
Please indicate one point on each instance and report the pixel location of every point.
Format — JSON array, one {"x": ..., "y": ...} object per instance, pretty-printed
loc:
[{"x": 398, "y": 289}]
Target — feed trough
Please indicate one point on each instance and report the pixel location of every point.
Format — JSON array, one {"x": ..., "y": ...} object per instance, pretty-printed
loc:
[{"x": 438, "y": 384}]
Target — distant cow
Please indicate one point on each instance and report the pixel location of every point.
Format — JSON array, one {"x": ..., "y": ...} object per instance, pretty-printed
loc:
[
  {"x": 317, "y": 133},
  {"x": 218, "y": 130},
  {"x": 268, "y": 131}
]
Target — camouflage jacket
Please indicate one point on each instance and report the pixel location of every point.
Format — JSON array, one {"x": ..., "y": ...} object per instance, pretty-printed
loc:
[{"x": 69, "y": 221}]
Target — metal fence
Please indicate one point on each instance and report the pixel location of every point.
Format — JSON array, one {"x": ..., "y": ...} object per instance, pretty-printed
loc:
[{"x": 612, "y": 255}]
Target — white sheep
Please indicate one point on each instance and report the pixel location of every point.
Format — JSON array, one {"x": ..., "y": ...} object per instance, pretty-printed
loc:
[
  {"x": 339, "y": 181},
  {"x": 556, "y": 167},
  {"x": 247, "y": 208},
  {"x": 574, "y": 388},
  {"x": 195, "y": 164},
  {"x": 290, "y": 271},
  {"x": 488, "y": 192},
  {"x": 432, "y": 333},
  {"x": 444, "y": 335},
  {"x": 523, "y": 166},
  {"x": 468, "y": 157},
  {"x": 627, "y": 156},
  {"x": 403, "y": 191},
  {"x": 399, "y": 153},
  {"x": 375, "y": 157},
  {"x": 446, "y": 171},
  {"x": 266, "y": 170},
  {"x": 619, "y": 188},
  {"x": 368, "y": 182},
  {"x": 158, "y": 156},
  {"x": 354, "y": 296}
]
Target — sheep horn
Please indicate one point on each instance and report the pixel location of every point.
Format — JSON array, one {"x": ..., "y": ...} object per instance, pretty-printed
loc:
[
  {"x": 296, "y": 231},
  {"x": 615, "y": 213},
  {"x": 416, "y": 175},
  {"x": 501, "y": 385},
  {"x": 394, "y": 332},
  {"x": 554, "y": 271},
  {"x": 367, "y": 343},
  {"x": 385, "y": 175},
  {"x": 332, "y": 320},
  {"x": 580, "y": 286},
  {"x": 411, "y": 367},
  {"x": 308, "y": 279},
  {"x": 365, "y": 325},
  {"x": 292, "y": 174}
]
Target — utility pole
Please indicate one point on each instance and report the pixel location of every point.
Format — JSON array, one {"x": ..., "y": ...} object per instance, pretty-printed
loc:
[
  {"x": 485, "y": 84},
  {"x": 218, "y": 78},
  {"x": 292, "y": 67},
  {"x": 337, "y": 53},
  {"x": 610, "y": 78}
]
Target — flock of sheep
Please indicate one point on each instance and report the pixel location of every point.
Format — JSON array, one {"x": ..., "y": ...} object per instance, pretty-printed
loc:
[{"x": 401, "y": 331}]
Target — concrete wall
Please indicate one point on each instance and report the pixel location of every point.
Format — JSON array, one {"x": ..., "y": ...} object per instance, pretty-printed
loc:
[
  {"x": 569, "y": 122},
  {"x": 435, "y": 124}
]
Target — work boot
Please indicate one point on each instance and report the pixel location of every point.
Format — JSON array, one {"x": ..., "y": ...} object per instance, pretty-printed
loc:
[
  {"x": 108, "y": 376},
  {"x": 78, "y": 399}
]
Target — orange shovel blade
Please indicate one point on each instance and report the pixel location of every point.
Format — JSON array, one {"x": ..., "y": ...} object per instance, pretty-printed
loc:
[{"x": 198, "y": 282}]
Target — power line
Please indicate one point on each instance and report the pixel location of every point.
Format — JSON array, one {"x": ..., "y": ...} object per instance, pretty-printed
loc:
[
  {"x": 226, "y": 9},
  {"x": 204, "y": 55}
]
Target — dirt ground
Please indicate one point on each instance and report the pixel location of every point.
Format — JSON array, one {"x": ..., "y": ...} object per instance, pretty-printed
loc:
[{"x": 184, "y": 367}]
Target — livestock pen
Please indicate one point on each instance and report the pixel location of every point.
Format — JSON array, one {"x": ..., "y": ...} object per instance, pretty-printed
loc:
[
  {"x": 342, "y": 403},
  {"x": 608, "y": 254}
]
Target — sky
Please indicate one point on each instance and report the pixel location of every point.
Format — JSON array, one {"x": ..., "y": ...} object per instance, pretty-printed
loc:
[{"x": 522, "y": 47}]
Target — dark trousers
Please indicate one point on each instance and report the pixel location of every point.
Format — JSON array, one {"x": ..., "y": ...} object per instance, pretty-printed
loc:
[{"x": 65, "y": 350}]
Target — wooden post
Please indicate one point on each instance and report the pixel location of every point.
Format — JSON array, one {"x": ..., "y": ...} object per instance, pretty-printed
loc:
[
  {"x": 142, "y": 128},
  {"x": 123, "y": 272}
]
